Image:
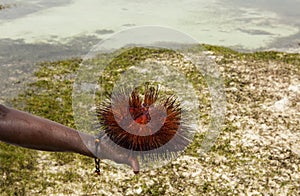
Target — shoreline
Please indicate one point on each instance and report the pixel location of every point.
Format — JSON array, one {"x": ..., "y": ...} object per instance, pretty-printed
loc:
[{"x": 15, "y": 74}]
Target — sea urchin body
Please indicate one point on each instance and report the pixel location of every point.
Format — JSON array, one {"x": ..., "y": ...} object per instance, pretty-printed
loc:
[{"x": 143, "y": 124}]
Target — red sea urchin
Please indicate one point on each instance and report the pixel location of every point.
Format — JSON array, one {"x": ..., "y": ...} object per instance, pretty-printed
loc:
[{"x": 143, "y": 125}]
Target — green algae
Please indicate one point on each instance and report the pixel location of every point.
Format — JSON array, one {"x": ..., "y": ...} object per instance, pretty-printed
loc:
[{"x": 266, "y": 56}]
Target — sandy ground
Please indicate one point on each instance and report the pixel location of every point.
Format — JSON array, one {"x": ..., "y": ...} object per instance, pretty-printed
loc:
[{"x": 257, "y": 153}]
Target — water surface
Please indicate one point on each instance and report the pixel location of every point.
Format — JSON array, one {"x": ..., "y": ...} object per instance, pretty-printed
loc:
[
  {"x": 248, "y": 24},
  {"x": 40, "y": 30}
]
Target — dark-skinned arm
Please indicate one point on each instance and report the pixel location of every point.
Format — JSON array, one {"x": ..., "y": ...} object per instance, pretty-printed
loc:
[{"x": 26, "y": 130}]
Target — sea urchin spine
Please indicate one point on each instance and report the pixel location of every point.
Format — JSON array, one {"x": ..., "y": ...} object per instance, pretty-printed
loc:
[{"x": 144, "y": 124}]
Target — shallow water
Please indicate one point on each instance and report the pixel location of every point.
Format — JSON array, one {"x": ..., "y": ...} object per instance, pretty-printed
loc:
[
  {"x": 40, "y": 30},
  {"x": 249, "y": 24}
]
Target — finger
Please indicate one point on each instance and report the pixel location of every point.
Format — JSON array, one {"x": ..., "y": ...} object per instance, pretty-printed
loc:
[{"x": 133, "y": 162}]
